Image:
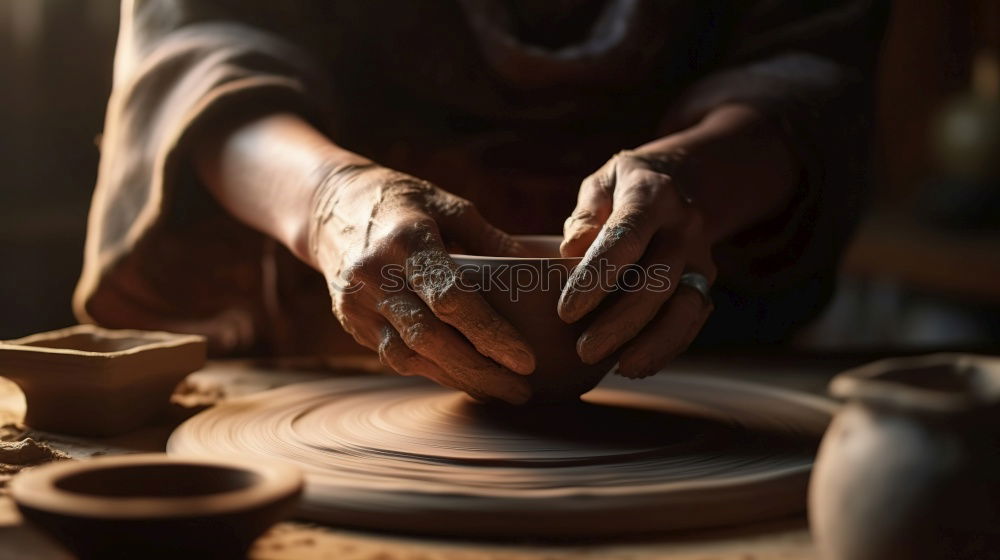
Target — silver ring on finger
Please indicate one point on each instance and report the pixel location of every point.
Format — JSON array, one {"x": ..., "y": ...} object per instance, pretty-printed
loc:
[{"x": 699, "y": 283}]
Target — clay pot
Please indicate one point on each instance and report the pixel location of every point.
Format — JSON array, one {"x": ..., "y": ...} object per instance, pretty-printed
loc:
[
  {"x": 525, "y": 291},
  {"x": 90, "y": 381},
  {"x": 154, "y": 506},
  {"x": 910, "y": 467}
]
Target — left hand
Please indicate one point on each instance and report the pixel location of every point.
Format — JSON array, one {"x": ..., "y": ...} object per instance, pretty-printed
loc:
[{"x": 630, "y": 212}]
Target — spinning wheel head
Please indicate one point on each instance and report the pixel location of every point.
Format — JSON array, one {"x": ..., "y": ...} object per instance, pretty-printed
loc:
[{"x": 401, "y": 454}]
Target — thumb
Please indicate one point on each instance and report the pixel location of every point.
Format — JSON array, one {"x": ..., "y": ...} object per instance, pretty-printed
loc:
[
  {"x": 593, "y": 206},
  {"x": 477, "y": 236}
]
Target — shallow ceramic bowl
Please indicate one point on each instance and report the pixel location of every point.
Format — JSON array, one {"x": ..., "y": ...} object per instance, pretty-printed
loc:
[
  {"x": 525, "y": 290},
  {"x": 86, "y": 380},
  {"x": 154, "y": 506}
]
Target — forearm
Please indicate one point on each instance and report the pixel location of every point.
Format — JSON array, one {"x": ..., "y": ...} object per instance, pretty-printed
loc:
[
  {"x": 736, "y": 166},
  {"x": 265, "y": 172}
]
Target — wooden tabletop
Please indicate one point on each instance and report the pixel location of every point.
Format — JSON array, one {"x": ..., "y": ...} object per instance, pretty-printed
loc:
[{"x": 786, "y": 539}]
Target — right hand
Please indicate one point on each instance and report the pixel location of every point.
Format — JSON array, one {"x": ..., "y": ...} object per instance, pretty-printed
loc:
[{"x": 373, "y": 227}]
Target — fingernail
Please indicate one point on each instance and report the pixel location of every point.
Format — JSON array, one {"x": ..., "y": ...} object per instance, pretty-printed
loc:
[
  {"x": 514, "y": 355},
  {"x": 567, "y": 303},
  {"x": 526, "y": 362},
  {"x": 592, "y": 348},
  {"x": 519, "y": 361},
  {"x": 570, "y": 246}
]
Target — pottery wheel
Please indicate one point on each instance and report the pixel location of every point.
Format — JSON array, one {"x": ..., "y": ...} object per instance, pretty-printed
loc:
[{"x": 400, "y": 454}]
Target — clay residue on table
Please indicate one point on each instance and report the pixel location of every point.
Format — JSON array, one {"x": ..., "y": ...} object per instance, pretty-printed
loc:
[
  {"x": 18, "y": 452},
  {"x": 16, "y": 455}
]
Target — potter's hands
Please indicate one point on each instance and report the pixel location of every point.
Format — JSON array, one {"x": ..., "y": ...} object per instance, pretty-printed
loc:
[
  {"x": 377, "y": 237},
  {"x": 631, "y": 213}
]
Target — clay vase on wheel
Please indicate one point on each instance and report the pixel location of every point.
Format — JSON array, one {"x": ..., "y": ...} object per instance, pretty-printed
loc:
[
  {"x": 910, "y": 466},
  {"x": 526, "y": 291}
]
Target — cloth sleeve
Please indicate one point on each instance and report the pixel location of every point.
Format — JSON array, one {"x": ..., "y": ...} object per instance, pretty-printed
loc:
[
  {"x": 811, "y": 68},
  {"x": 160, "y": 254}
]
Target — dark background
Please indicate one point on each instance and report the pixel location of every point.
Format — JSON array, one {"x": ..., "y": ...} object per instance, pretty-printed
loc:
[{"x": 916, "y": 275}]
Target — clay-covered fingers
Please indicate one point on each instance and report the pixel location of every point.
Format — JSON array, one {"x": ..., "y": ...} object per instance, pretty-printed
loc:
[
  {"x": 436, "y": 279},
  {"x": 378, "y": 243},
  {"x": 462, "y": 365},
  {"x": 668, "y": 335},
  {"x": 394, "y": 353},
  {"x": 353, "y": 305},
  {"x": 642, "y": 291},
  {"x": 622, "y": 241},
  {"x": 593, "y": 207}
]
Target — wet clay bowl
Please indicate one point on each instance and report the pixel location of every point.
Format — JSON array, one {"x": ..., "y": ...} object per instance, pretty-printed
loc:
[
  {"x": 525, "y": 291},
  {"x": 85, "y": 380},
  {"x": 154, "y": 506}
]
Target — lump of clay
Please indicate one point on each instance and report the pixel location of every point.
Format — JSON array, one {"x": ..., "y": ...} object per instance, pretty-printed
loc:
[{"x": 16, "y": 455}]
